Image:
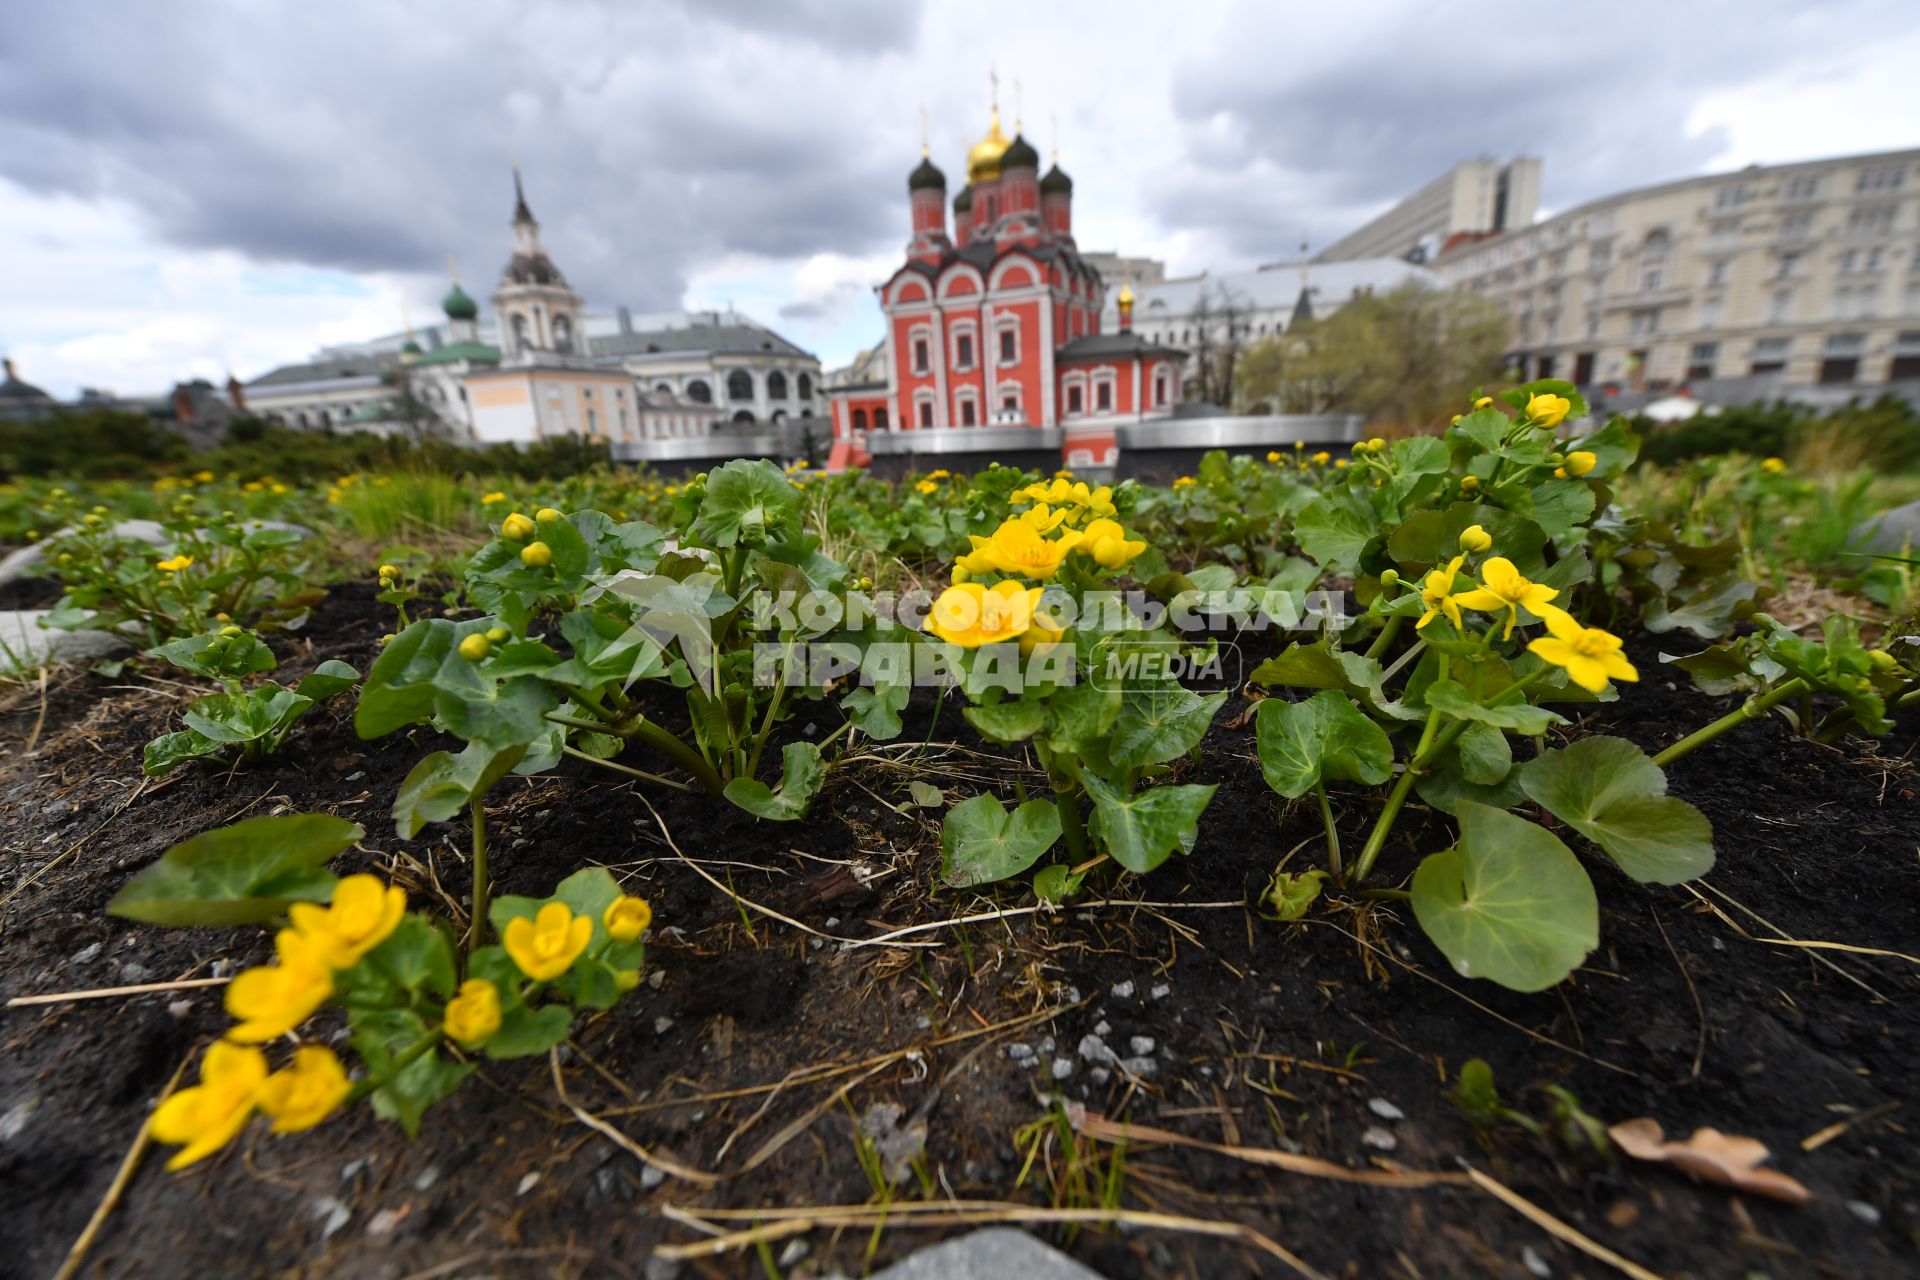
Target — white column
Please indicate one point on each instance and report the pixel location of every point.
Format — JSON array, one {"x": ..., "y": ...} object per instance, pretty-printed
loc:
[
  {"x": 939, "y": 354},
  {"x": 1045, "y": 363}
]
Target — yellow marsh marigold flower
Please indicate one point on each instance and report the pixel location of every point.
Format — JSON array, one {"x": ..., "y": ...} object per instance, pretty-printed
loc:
[
  {"x": 302, "y": 1094},
  {"x": 1483, "y": 402},
  {"x": 970, "y": 615},
  {"x": 926, "y": 486},
  {"x": 1774, "y": 466},
  {"x": 1580, "y": 462},
  {"x": 1108, "y": 544},
  {"x": 1321, "y": 458},
  {"x": 626, "y": 918},
  {"x": 1546, "y": 410},
  {"x": 516, "y": 528},
  {"x": 536, "y": 555},
  {"x": 1591, "y": 656},
  {"x": 1474, "y": 539},
  {"x": 1436, "y": 593},
  {"x": 492, "y": 499},
  {"x": 1017, "y": 547},
  {"x": 942, "y": 474},
  {"x": 1274, "y": 455},
  {"x": 173, "y": 564},
  {"x": 1503, "y": 588},
  {"x": 473, "y": 1015},
  {"x": 273, "y": 999},
  {"x": 1185, "y": 482},
  {"x": 1469, "y": 483},
  {"x": 547, "y": 945},
  {"x": 1045, "y": 633},
  {"x": 363, "y": 913},
  {"x": 208, "y": 1116}
]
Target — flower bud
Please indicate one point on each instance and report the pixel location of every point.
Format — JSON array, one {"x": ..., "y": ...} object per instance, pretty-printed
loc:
[
  {"x": 388, "y": 571},
  {"x": 386, "y": 639},
  {"x": 516, "y": 528},
  {"x": 1474, "y": 539},
  {"x": 475, "y": 647},
  {"x": 1469, "y": 483},
  {"x": 1389, "y": 577},
  {"x": 1483, "y": 402},
  {"x": 546, "y": 515},
  {"x": 230, "y": 631},
  {"x": 1881, "y": 660},
  {"x": 536, "y": 555},
  {"x": 1377, "y": 445},
  {"x": 498, "y": 635}
]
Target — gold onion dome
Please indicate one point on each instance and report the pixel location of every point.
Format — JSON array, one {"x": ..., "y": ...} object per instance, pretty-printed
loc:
[
  {"x": 983, "y": 162},
  {"x": 1126, "y": 294}
]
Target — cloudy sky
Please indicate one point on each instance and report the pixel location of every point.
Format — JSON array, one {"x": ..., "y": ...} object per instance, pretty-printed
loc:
[{"x": 205, "y": 185}]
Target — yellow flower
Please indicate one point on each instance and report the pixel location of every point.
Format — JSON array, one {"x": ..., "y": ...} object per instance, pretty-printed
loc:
[
  {"x": 1107, "y": 543},
  {"x": 1591, "y": 656},
  {"x": 1503, "y": 588},
  {"x": 941, "y": 474},
  {"x": 1474, "y": 539},
  {"x": 388, "y": 571},
  {"x": 1774, "y": 466},
  {"x": 474, "y": 1015},
  {"x": 173, "y": 565},
  {"x": 1580, "y": 462},
  {"x": 1185, "y": 482},
  {"x": 492, "y": 499},
  {"x": 1321, "y": 458},
  {"x": 926, "y": 486},
  {"x": 1274, "y": 455},
  {"x": 536, "y": 555},
  {"x": 1017, "y": 547},
  {"x": 516, "y": 528},
  {"x": 1469, "y": 483},
  {"x": 362, "y": 915},
  {"x": 208, "y": 1116},
  {"x": 1547, "y": 410},
  {"x": 1341, "y": 463},
  {"x": 970, "y": 615},
  {"x": 273, "y": 999},
  {"x": 626, "y": 918},
  {"x": 1483, "y": 402},
  {"x": 203, "y": 477},
  {"x": 1042, "y": 635},
  {"x": 1436, "y": 592},
  {"x": 277, "y": 487},
  {"x": 301, "y": 1095},
  {"x": 547, "y": 945}
]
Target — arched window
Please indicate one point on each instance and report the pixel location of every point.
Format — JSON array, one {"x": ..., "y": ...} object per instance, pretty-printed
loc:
[
  {"x": 563, "y": 335},
  {"x": 666, "y": 388},
  {"x": 776, "y": 385},
  {"x": 779, "y": 416},
  {"x": 699, "y": 392},
  {"x": 806, "y": 386},
  {"x": 880, "y": 419},
  {"x": 739, "y": 385},
  {"x": 859, "y": 417},
  {"x": 519, "y": 331},
  {"x": 745, "y": 415}
]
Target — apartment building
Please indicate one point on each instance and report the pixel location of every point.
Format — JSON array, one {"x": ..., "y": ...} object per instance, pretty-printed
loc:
[
  {"x": 1738, "y": 286},
  {"x": 1474, "y": 197}
]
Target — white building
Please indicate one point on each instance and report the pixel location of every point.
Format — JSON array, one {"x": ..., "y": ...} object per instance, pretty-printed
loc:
[{"x": 1475, "y": 197}]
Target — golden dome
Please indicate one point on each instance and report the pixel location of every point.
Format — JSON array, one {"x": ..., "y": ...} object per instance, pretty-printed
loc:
[
  {"x": 1126, "y": 294},
  {"x": 983, "y": 162}
]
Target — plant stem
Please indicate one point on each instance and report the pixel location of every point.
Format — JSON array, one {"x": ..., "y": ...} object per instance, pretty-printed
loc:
[
  {"x": 476, "y": 928},
  {"x": 657, "y": 738},
  {"x": 1382, "y": 641},
  {"x": 1066, "y": 798},
  {"x": 629, "y": 770},
  {"x": 1333, "y": 832},
  {"x": 1384, "y": 895},
  {"x": 406, "y": 1059},
  {"x": 1751, "y": 709}
]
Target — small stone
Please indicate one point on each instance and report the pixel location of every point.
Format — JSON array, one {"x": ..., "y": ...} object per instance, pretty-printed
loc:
[
  {"x": 15, "y": 1119},
  {"x": 351, "y": 1169},
  {"x": 1141, "y": 1045},
  {"x": 383, "y": 1222},
  {"x": 1021, "y": 1053},
  {"x": 1046, "y": 1046},
  {"x": 356, "y": 775},
  {"x": 1379, "y": 1139},
  {"x": 1103, "y": 1028},
  {"x": 1385, "y": 1110},
  {"x": 222, "y": 967},
  {"x": 332, "y": 1214},
  {"x": 832, "y": 922},
  {"x": 1864, "y": 1211},
  {"x": 651, "y": 1177},
  {"x": 426, "y": 1178},
  {"x": 1071, "y": 995},
  {"x": 133, "y": 972},
  {"x": 1100, "y": 1075},
  {"x": 1094, "y": 1049},
  {"x": 923, "y": 1022},
  {"x": 180, "y": 1008},
  {"x": 662, "y": 1025},
  {"x": 1144, "y": 1068},
  {"x": 1121, "y": 990},
  {"x": 655, "y": 978},
  {"x": 86, "y": 953},
  {"x": 1534, "y": 1262},
  {"x": 1062, "y": 1068},
  {"x": 794, "y": 1254},
  {"x": 528, "y": 1183},
  {"x": 1160, "y": 992}
]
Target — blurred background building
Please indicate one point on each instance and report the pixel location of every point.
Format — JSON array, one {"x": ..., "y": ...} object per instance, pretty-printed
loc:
[{"x": 1475, "y": 198}]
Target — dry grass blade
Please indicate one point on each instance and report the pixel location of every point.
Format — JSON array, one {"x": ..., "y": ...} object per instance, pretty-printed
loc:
[
  {"x": 1556, "y": 1228},
  {"x": 75, "y": 847},
  {"x": 670, "y": 1167},
  {"x": 1011, "y": 913},
  {"x": 141, "y": 1141},
  {"x": 1105, "y": 1130},
  {"x": 104, "y": 993},
  {"x": 938, "y": 1214}
]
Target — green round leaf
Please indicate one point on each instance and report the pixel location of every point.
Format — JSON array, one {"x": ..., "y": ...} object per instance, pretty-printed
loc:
[
  {"x": 1609, "y": 791},
  {"x": 980, "y": 842},
  {"x": 243, "y": 874}
]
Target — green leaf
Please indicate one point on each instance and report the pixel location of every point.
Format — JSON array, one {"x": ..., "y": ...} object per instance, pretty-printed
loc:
[
  {"x": 925, "y": 795},
  {"x": 243, "y": 874},
  {"x": 801, "y": 773},
  {"x": 421, "y": 1083},
  {"x": 1319, "y": 666},
  {"x": 1008, "y": 722},
  {"x": 980, "y": 842},
  {"x": 171, "y": 750},
  {"x": 1140, "y": 830},
  {"x": 524, "y": 1032},
  {"x": 1609, "y": 791},
  {"x": 1509, "y": 903},
  {"x": 1429, "y": 538},
  {"x": 1485, "y": 755},
  {"x": 1336, "y": 530},
  {"x": 748, "y": 502},
  {"x": 589, "y": 892},
  {"x": 1507, "y": 709},
  {"x": 329, "y": 678},
  {"x": 443, "y": 784},
  {"x": 1325, "y": 738},
  {"x": 1160, "y": 724},
  {"x": 217, "y": 657},
  {"x": 1082, "y": 717},
  {"x": 1290, "y": 894},
  {"x": 1054, "y": 883},
  {"x": 875, "y": 709},
  {"x": 245, "y": 717},
  {"x": 415, "y": 957}
]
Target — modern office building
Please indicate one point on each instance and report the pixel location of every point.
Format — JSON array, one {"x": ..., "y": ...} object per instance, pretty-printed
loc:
[
  {"x": 1737, "y": 286},
  {"x": 1475, "y": 197}
]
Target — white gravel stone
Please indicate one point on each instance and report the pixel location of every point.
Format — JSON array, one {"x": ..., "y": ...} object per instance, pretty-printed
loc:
[
  {"x": 1385, "y": 1110},
  {"x": 1379, "y": 1139},
  {"x": 1122, "y": 990}
]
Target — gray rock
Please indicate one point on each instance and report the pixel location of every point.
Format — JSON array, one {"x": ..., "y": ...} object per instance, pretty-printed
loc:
[
  {"x": 1160, "y": 992},
  {"x": 1385, "y": 1110},
  {"x": 1864, "y": 1211},
  {"x": 1122, "y": 990},
  {"x": 1144, "y": 1068},
  {"x": 1535, "y": 1263},
  {"x": 1094, "y": 1049},
  {"x": 651, "y": 1177},
  {"x": 994, "y": 1253},
  {"x": 1887, "y": 534},
  {"x": 1141, "y": 1045},
  {"x": 1062, "y": 1068},
  {"x": 25, "y": 645},
  {"x": 1379, "y": 1139}
]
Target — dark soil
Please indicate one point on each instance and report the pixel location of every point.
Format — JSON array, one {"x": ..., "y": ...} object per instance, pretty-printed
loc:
[{"x": 1264, "y": 1036}]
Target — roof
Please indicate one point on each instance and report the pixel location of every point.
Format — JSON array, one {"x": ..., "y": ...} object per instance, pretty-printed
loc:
[
  {"x": 1019, "y": 154},
  {"x": 531, "y": 268},
  {"x": 324, "y": 371},
  {"x": 1056, "y": 182},
  {"x": 18, "y": 393},
  {"x": 1277, "y": 288},
  {"x": 926, "y": 176},
  {"x": 1107, "y": 346},
  {"x": 721, "y": 339},
  {"x": 474, "y": 352}
]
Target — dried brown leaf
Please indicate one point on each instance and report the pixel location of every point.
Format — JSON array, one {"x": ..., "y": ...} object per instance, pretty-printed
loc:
[{"x": 1711, "y": 1156}]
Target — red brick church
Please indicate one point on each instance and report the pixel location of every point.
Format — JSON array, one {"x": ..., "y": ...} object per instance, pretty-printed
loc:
[{"x": 997, "y": 323}]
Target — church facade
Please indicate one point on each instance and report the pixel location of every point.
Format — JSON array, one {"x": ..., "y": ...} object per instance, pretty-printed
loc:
[{"x": 996, "y": 322}]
